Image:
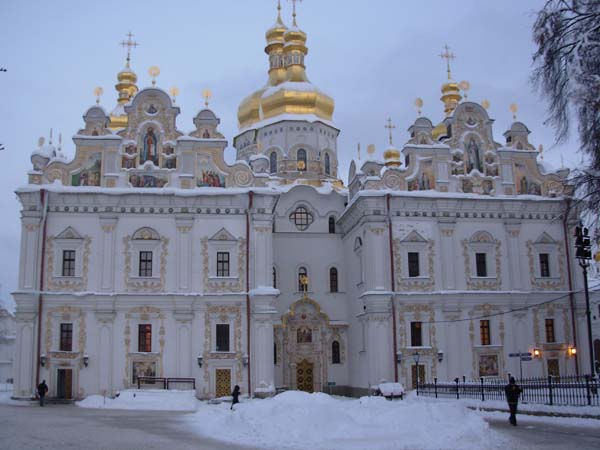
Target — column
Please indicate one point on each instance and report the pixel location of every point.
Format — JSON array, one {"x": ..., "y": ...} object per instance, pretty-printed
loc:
[
  {"x": 448, "y": 255},
  {"x": 184, "y": 252},
  {"x": 262, "y": 249},
  {"x": 379, "y": 338},
  {"x": 108, "y": 225},
  {"x": 513, "y": 230},
  {"x": 24, "y": 369}
]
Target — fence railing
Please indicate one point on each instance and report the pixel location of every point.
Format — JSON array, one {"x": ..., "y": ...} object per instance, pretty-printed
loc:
[
  {"x": 572, "y": 390},
  {"x": 166, "y": 383}
]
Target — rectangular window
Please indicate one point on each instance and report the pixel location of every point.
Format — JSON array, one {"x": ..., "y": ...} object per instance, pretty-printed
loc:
[
  {"x": 222, "y": 337},
  {"x": 68, "y": 263},
  {"x": 145, "y": 264},
  {"x": 222, "y": 264},
  {"x": 66, "y": 337},
  {"x": 484, "y": 331},
  {"x": 550, "y": 330},
  {"x": 416, "y": 337},
  {"x": 481, "y": 264},
  {"x": 144, "y": 337},
  {"x": 544, "y": 265},
  {"x": 413, "y": 264}
]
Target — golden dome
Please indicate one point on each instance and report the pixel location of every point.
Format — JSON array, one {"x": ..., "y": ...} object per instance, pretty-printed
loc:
[
  {"x": 450, "y": 96},
  {"x": 288, "y": 89},
  {"x": 439, "y": 130},
  {"x": 126, "y": 88},
  {"x": 391, "y": 156}
]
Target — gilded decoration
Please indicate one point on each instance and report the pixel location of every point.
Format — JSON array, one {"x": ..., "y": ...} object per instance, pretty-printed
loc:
[
  {"x": 143, "y": 313},
  {"x": 415, "y": 284},
  {"x": 546, "y": 284},
  {"x": 551, "y": 311},
  {"x": 58, "y": 283},
  {"x": 484, "y": 311},
  {"x": 416, "y": 311},
  {"x": 65, "y": 313},
  {"x": 224, "y": 313},
  {"x": 145, "y": 284},
  {"x": 215, "y": 285},
  {"x": 488, "y": 283}
]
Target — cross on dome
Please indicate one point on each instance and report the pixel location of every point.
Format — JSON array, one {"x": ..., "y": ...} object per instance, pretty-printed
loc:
[
  {"x": 129, "y": 43},
  {"x": 448, "y": 56},
  {"x": 294, "y": 11},
  {"x": 390, "y": 127}
]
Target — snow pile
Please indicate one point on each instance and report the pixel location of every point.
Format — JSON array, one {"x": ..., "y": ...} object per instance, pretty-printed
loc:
[
  {"x": 145, "y": 399},
  {"x": 298, "y": 420}
]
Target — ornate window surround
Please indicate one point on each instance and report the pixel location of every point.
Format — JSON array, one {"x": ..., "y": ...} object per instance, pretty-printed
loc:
[
  {"x": 414, "y": 242},
  {"x": 68, "y": 239},
  {"x": 546, "y": 244},
  {"x": 145, "y": 239},
  {"x": 483, "y": 242},
  {"x": 223, "y": 240}
]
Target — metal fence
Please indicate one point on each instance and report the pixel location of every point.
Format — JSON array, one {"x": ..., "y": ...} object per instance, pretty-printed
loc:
[
  {"x": 166, "y": 383},
  {"x": 572, "y": 390}
]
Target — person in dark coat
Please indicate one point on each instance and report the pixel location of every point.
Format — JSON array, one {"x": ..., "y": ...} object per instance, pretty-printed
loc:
[
  {"x": 236, "y": 396},
  {"x": 512, "y": 391},
  {"x": 42, "y": 389}
]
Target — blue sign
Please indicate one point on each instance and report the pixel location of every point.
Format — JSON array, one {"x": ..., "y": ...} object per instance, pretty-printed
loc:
[
  {"x": 526, "y": 358},
  {"x": 519, "y": 355}
]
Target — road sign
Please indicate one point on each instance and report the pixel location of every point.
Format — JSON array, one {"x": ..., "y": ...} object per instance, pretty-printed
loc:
[
  {"x": 526, "y": 358},
  {"x": 519, "y": 355},
  {"x": 331, "y": 383}
]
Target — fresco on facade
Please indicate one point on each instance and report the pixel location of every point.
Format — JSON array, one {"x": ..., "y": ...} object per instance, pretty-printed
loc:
[
  {"x": 209, "y": 175},
  {"x": 147, "y": 180},
  {"x": 304, "y": 335},
  {"x": 149, "y": 147},
  {"x": 488, "y": 365},
  {"x": 91, "y": 172},
  {"x": 425, "y": 180},
  {"x": 143, "y": 369}
]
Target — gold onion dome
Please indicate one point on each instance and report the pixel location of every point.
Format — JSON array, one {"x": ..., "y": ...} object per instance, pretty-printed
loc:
[
  {"x": 391, "y": 156},
  {"x": 288, "y": 90}
]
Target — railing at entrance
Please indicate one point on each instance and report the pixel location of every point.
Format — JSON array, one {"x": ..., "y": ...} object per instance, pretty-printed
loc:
[
  {"x": 167, "y": 383},
  {"x": 571, "y": 390}
]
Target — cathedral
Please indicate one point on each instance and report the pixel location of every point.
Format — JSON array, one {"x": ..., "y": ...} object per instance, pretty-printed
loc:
[{"x": 147, "y": 255}]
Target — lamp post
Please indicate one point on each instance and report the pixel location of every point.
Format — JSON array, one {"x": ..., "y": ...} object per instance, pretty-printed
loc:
[
  {"x": 583, "y": 253},
  {"x": 416, "y": 357}
]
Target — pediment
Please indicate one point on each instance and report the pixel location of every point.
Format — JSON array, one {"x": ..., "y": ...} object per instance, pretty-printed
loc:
[
  {"x": 413, "y": 236},
  {"x": 545, "y": 238},
  {"x": 69, "y": 233},
  {"x": 222, "y": 235}
]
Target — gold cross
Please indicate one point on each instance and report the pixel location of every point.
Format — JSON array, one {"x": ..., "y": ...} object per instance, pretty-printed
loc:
[
  {"x": 390, "y": 127},
  {"x": 129, "y": 43},
  {"x": 448, "y": 56},
  {"x": 207, "y": 94}
]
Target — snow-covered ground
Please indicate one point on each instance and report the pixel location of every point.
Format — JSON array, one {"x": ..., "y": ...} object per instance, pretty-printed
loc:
[
  {"x": 145, "y": 399},
  {"x": 297, "y": 420}
]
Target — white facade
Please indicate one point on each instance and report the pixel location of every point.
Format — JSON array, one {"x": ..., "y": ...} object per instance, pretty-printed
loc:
[{"x": 159, "y": 259}]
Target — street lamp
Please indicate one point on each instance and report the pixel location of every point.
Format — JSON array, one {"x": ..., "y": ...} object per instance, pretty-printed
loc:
[
  {"x": 416, "y": 357},
  {"x": 583, "y": 253}
]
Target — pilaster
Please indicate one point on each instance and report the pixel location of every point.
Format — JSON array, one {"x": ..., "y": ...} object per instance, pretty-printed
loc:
[
  {"x": 108, "y": 225},
  {"x": 448, "y": 254},
  {"x": 513, "y": 230},
  {"x": 184, "y": 251}
]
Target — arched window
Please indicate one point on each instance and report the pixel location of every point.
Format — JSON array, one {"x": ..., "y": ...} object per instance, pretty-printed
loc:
[
  {"x": 327, "y": 164},
  {"x": 331, "y": 225},
  {"x": 333, "y": 280},
  {"x": 301, "y": 157},
  {"x": 301, "y": 274},
  {"x": 273, "y": 162},
  {"x": 274, "y": 278},
  {"x": 335, "y": 353}
]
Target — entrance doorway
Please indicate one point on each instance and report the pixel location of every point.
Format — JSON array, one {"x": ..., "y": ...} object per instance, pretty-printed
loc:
[
  {"x": 223, "y": 382},
  {"x": 414, "y": 374},
  {"x": 64, "y": 384},
  {"x": 553, "y": 368},
  {"x": 304, "y": 376}
]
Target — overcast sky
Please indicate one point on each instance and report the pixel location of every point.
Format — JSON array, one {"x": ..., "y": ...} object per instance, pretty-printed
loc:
[{"x": 373, "y": 57}]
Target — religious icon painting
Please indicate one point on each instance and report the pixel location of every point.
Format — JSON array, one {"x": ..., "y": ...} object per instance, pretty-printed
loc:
[
  {"x": 488, "y": 366},
  {"x": 151, "y": 109},
  {"x": 91, "y": 172},
  {"x": 149, "y": 147},
  {"x": 143, "y": 369},
  {"x": 304, "y": 335},
  {"x": 209, "y": 175}
]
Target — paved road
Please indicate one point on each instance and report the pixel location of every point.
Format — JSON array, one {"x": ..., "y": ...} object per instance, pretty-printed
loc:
[{"x": 66, "y": 427}]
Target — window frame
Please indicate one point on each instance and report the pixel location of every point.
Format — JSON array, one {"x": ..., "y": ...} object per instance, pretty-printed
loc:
[
  {"x": 411, "y": 264},
  {"x": 485, "y": 336},
  {"x": 334, "y": 280},
  {"x": 144, "y": 337},
  {"x": 302, "y": 270},
  {"x": 302, "y": 218},
  {"x": 301, "y": 155},
  {"x": 416, "y": 333},
  {"x": 544, "y": 266},
  {"x": 71, "y": 265},
  {"x": 225, "y": 334},
  {"x": 273, "y": 162},
  {"x": 485, "y": 264},
  {"x": 145, "y": 265},
  {"x": 550, "y": 330},
  {"x": 336, "y": 352},
  {"x": 331, "y": 224},
  {"x": 65, "y": 343},
  {"x": 223, "y": 264}
]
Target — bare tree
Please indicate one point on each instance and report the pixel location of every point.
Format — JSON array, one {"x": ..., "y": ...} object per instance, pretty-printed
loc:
[{"x": 567, "y": 74}]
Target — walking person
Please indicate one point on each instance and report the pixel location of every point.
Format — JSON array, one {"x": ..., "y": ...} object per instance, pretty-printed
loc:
[
  {"x": 42, "y": 389},
  {"x": 512, "y": 391},
  {"x": 236, "y": 396}
]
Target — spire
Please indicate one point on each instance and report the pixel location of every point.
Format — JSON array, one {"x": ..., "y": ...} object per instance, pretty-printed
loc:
[
  {"x": 448, "y": 56},
  {"x": 126, "y": 86},
  {"x": 294, "y": 12}
]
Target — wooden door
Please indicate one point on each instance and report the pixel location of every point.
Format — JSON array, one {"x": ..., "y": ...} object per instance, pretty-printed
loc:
[
  {"x": 553, "y": 368},
  {"x": 64, "y": 384},
  {"x": 414, "y": 374},
  {"x": 223, "y": 382},
  {"x": 304, "y": 376}
]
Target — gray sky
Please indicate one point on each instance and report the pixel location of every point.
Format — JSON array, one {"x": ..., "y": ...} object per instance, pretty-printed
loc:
[{"x": 373, "y": 57}]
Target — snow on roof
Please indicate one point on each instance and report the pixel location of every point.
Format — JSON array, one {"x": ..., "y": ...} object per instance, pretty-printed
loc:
[{"x": 311, "y": 118}]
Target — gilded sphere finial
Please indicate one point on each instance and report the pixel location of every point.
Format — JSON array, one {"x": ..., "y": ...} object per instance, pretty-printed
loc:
[
  {"x": 154, "y": 71},
  {"x": 464, "y": 86},
  {"x": 174, "y": 91},
  {"x": 419, "y": 105},
  {"x": 207, "y": 95},
  {"x": 513, "y": 109},
  {"x": 371, "y": 149},
  {"x": 97, "y": 93},
  {"x": 485, "y": 104}
]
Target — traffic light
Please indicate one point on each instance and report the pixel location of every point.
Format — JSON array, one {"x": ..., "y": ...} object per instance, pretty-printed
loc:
[{"x": 583, "y": 246}]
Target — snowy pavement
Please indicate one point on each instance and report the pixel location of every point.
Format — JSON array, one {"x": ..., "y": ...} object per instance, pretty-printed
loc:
[{"x": 293, "y": 420}]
